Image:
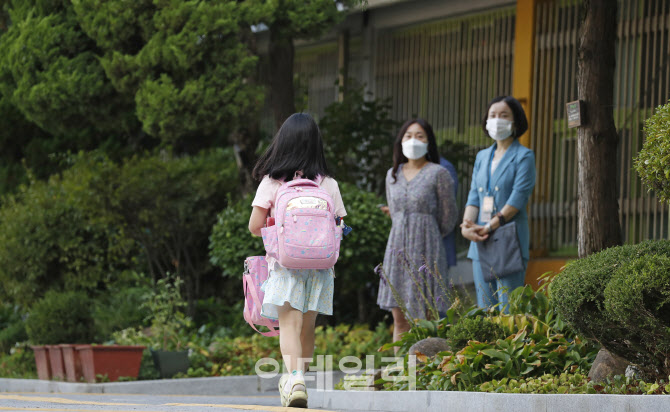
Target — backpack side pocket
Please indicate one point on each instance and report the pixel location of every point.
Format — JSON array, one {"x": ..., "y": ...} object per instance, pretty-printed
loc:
[{"x": 270, "y": 240}]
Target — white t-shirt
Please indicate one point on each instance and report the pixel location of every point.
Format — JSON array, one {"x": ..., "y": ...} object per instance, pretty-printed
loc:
[{"x": 267, "y": 191}]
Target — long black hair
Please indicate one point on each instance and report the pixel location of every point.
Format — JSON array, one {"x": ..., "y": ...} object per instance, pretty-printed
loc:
[
  {"x": 398, "y": 157},
  {"x": 297, "y": 146},
  {"x": 518, "y": 115}
]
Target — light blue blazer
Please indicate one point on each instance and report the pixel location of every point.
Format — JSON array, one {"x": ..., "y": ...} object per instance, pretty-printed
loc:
[{"x": 512, "y": 183}]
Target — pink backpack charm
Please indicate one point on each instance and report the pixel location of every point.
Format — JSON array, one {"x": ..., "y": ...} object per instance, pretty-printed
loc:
[
  {"x": 255, "y": 273},
  {"x": 305, "y": 235}
]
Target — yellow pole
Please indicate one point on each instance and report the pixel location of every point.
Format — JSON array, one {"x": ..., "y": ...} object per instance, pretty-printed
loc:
[{"x": 524, "y": 49}]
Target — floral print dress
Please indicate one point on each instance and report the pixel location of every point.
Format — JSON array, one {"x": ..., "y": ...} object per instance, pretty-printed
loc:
[{"x": 423, "y": 210}]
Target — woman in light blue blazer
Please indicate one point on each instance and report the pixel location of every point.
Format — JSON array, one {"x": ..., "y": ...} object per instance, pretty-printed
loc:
[{"x": 502, "y": 181}]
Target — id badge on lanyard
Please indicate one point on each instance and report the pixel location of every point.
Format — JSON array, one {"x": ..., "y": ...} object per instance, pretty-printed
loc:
[
  {"x": 488, "y": 204},
  {"x": 487, "y": 209}
]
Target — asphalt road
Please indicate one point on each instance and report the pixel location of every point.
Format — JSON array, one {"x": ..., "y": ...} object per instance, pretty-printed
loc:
[{"x": 52, "y": 402}]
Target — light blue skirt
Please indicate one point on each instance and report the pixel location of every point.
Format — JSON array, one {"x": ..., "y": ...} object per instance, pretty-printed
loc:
[{"x": 304, "y": 289}]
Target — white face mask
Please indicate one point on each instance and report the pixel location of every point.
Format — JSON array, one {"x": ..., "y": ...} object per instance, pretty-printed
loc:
[
  {"x": 414, "y": 149},
  {"x": 499, "y": 129}
]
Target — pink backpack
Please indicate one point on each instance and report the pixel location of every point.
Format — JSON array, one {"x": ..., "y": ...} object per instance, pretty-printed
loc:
[
  {"x": 305, "y": 235},
  {"x": 255, "y": 273}
]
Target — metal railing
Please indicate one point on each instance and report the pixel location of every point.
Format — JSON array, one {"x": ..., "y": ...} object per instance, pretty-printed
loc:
[{"x": 446, "y": 71}]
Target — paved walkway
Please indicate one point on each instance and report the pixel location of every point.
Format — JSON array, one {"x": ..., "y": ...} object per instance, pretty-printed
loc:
[
  {"x": 80, "y": 402},
  {"x": 256, "y": 394}
]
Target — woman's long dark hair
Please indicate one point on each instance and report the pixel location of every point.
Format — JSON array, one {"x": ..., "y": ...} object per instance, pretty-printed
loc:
[
  {"x": 398, "y": 157},
  {"x": 297, "y": 146}
]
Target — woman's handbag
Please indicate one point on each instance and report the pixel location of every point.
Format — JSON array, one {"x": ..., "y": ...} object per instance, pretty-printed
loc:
[
  {"x": 255, "y": 273},
  {"x": 500, "y": 254}
]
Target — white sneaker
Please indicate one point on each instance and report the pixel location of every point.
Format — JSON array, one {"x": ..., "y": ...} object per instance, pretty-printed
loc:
[
  {"x": 282, "y": 383},
  {"x": 295, "y": 391}
]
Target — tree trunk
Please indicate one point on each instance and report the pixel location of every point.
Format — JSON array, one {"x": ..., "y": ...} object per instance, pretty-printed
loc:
[
  {"x": 246, "y": 137},
  {"x": 597, "y": 140},
  {"x": 281, "y": 53},
  {"x": 245, "y": 141}
]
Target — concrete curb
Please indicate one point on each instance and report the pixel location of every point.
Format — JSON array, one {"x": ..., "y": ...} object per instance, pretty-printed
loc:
[
  {"x": 224, "y": 385},
  {"x": 428, "y": 401},
  {"x": 401, "y": 401}
]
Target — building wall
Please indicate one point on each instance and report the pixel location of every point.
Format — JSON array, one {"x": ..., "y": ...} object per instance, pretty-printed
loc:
[{"x": 444, "y": 60}]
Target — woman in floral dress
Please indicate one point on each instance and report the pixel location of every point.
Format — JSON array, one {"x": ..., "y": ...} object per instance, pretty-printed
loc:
[{"x": 423, "y": 209}]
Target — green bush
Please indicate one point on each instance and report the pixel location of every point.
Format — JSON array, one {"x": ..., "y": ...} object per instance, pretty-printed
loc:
[
  {"x": 46, "y": 242},
  {"x": 520, "y": 355},
  {"x": 638, "y": 297},
  {"x": 361, "y": 251},
  {"x": 358, "y": 138},
  {"x": 478, "y": 329},
  {"x": 530, "y": 340},
  {"x": 119, "y": 309},
  {"x": 19, "y": 363},
  {"x": 579, "y": 295},
  {"x": 99, "y": 221},
  {"x": 652, "y": 162},
  {"x": 61, "y": 317},
  {"x": 166, "y": 205},
  {"x": 12, "y": 327},
  {"x": 222, "y": 318},
  {"x": 238, "y": 356},
  {"x": 567, "y": 383},
  {"x": 231, "y": 242}
]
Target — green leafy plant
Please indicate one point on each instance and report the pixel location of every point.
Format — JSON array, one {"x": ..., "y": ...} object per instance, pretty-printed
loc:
[
  {"x": 47, "y": 241},
  {"x": 231, "y": 242},
  {"x": 519, "y": 355},
  {"x": 360, "y": 252},
  {"x": 120, "y": 309},
  {"x": 478, "y": 328},
  {"x": 61, "y": 317},
  {"x": 19, "y": 363},
  {"x": 12, "y": 327},
  {"x": 567, "y": 383},
  {"x": 169, "y": 325},
  {"x": 652, "y": 162},
  {"x": 238, "y": 356},
  {"x": 634, "y": 277},
  {"x": 165, "y": 311}
]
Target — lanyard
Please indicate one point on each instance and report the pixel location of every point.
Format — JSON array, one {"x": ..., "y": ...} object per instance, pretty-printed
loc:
[{"x": 488, "y": 170}]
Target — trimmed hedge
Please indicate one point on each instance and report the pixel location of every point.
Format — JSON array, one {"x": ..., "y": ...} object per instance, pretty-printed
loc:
[{"x": 620, "y": 297}]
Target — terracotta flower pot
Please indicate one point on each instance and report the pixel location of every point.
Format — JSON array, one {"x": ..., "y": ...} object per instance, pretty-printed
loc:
[
  {"x": 71, "y": 362},
  {"x": 113, "y": 361},
  {"x": 42, "y": 362},
  {"x": 56, "y": 361}
]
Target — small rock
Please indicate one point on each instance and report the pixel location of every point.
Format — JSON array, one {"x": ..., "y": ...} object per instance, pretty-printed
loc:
[
  {"x": 429, "y": 347},
  {"x": 607, "y": 365},
  {"x": 633, "y": 371}
]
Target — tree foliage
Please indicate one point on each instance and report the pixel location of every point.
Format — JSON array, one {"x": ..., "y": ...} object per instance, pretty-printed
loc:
[
  {"x": 83, "y": 229},
  {"x": 183, "y": 63},
  {"x": 358, "y": 139},
  {"x": 653, "y": 161},
  {"x": 50, "y": 71}
]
